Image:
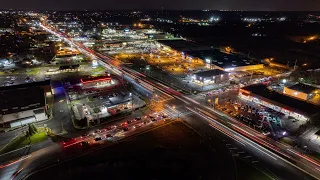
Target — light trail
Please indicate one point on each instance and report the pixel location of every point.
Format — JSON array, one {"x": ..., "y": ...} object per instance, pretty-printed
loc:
[{"x": 176, "y": 94}]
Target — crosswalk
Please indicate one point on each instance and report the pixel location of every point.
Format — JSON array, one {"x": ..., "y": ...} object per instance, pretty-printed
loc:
[
  {"x": 161, "y": 97},
  {"x": 174, "y": 113}
]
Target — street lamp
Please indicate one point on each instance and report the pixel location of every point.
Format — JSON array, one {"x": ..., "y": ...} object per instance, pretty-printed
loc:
[
  {"x": 284, "y": 81},
  {"x": 130, "y": 95}
]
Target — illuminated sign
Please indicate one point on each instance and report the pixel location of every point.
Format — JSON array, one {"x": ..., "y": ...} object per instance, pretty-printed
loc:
[{"x": 95, "y": 80}]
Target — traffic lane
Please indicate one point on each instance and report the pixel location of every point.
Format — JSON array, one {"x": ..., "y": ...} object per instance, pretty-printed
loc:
[
  {"x": 280, "y": 148},
  {"x": 274, "y": 146},
  {"x": 180, "y": 105},
  {"x": 36, "y": 158},
  {"x": 58, "y": 153},
  {"x": 278, "y": 167},
  {"x": 17, "y": 154}
]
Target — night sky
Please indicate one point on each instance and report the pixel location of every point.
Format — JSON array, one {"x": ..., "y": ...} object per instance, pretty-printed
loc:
[{"x": 273, "y": 5}]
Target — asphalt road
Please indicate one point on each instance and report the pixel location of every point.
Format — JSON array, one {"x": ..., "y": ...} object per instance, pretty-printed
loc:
[
  {"x": 276, "y": 167},
  {"x": 228, "y": 131},
  {"x": 174, "y": 150}
]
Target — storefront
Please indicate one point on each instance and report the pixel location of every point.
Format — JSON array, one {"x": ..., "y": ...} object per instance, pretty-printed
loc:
[{"x": 271, "y": 104}]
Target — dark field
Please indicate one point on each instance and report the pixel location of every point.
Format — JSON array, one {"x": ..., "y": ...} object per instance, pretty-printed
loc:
[{"x": 171, "y": 152}]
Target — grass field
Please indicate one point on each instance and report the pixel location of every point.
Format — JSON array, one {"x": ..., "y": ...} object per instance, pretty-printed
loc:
[
  {"x": 34, "y": 139},
  {"x": 21, "y": 141},
  {"x": 33, "y": 71}
]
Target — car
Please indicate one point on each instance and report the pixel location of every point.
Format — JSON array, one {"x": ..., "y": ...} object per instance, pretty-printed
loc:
[
  {"x": 84, "y": 143},
  {"x": 108, "y": 135},
  {"x": 164, "y": 116},
  {"x": 97, "y": 131},
  {"x": 151, "y": 117},
  {"x": 98, "y": 139},
  {"x": 125, "y": 129},
  {"x": 68, "y": 141},
  {"x": 84, "y": 135},
  {"x": 110, "y": 128},
  {"x": 138, "y": 118},
  {"x": 137, "y": 126},
  {"x": 129, "y": 121}
]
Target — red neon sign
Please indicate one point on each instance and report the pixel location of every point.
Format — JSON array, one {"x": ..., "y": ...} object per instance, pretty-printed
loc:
[{"x": 96, "y": 80}]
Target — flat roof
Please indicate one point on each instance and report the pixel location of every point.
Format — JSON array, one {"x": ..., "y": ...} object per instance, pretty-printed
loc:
[
  {"x": 26, "y": 85},
  {"x": 281, "y": 100},
  {"x": 221, "y": 59},
  {"x": 22, "y": 97},
  {"x": 210, "y": 73},
  {"x": 303, "y": 88}
]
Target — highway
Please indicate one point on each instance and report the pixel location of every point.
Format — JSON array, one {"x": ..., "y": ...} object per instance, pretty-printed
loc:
[
  {"x": 226, "y": 125},
  {"x": 56, "y": 152}
]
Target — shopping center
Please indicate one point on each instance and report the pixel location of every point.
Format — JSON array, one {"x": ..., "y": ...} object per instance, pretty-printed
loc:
[{"x": 287, "y": 105}]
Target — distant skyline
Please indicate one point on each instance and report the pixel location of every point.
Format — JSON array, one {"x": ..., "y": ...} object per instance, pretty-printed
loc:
[{"x": 250, "y": 5}]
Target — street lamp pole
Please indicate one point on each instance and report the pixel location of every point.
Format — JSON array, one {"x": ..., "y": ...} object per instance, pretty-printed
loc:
[{"x": 131, "y": 102}]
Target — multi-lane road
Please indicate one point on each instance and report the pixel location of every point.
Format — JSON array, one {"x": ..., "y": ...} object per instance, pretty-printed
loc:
[{"x": 284, "y": 156}]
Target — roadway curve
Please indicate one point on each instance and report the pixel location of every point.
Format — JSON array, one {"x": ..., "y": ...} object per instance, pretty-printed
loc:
[{"x": 221, "y": 122}]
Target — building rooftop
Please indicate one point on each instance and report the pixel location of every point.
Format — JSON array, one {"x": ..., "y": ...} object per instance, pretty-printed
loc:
[
  {"x": 303, "y": 88},
  {"x": 22, "y": 97},
  {"x": 284, "y": 101},
  {"x": 210, "y": 73},
  {"x": 221, "y": 59},
  {"x": 26, "y": 85}
]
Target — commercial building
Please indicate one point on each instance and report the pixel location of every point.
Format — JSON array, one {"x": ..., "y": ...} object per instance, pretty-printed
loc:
[
  {"x": 287, "y": 105},
  {"x": 215, "y": 59},
  {"x": 24, "y": 103},
  {"x": 103, "y": 105},
  {"x": 98, "y": 81},
  {"x": 210, "y": 77},
  {"x": 301, "y": 91}
]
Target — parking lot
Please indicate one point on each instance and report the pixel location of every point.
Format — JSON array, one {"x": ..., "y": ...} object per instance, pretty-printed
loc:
[{"x": 266, "y": 120}]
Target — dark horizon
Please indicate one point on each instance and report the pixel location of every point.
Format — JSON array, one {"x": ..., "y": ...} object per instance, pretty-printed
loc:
[
  {"x": 230, "y": 5},
  {"x": 155, "y": 9}
]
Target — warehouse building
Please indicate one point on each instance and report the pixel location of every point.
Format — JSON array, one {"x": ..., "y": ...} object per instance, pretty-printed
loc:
[
  {"x": 210, "y": 77},
  {"x": 288, "y": 105},
  {"x": 24, "y": 103},
  {"x": 301, "y": 91},
  {"x": 215, "y": 59}
]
